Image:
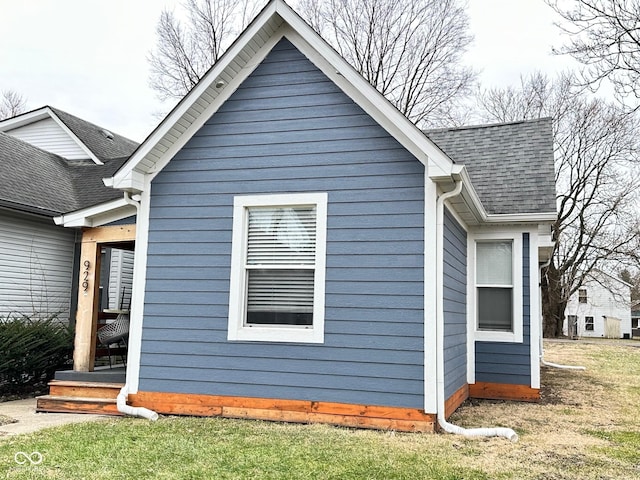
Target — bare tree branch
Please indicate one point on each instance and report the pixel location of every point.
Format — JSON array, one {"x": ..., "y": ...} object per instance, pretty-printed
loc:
[
  {"x": 410, "y": 50},
  {"x": 185, "y": 51},
  {"x": 11, "y": 104},
  {"x": 604, "y": 35},
  {"x": 596, "y": 152}
]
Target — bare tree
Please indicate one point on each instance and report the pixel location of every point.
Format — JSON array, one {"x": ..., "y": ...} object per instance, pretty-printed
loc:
[
  {"x": 185, "y": 51},
  {"x": 410, "y": 50},
  {"x": 604, "y": 35},
  {"x": 11, "y": 104},
  {"x": 596, "y": 151}
]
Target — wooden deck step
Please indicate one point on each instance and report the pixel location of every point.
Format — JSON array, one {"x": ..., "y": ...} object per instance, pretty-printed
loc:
[
  {"x": 66, "y": 396},
  {"x": 61, "y": 404},
  {"x": 66, "y": 388}
]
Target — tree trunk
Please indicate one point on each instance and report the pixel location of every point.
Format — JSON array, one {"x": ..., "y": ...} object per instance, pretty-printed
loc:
[{"x": 553, "y": 302}]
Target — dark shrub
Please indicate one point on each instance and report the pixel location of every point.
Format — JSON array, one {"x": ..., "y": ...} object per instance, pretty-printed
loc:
[{"x": 31, "y": 350}]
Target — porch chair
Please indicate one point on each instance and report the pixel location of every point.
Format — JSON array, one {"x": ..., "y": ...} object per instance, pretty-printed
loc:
[{"x": 115, "y": 332}]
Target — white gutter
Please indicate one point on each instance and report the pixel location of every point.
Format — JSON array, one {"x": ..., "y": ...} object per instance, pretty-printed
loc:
[
  {"x": 442, "y": 421},
  {"x": 121, "y": 399},
  {"x": 542, "y": 360}
]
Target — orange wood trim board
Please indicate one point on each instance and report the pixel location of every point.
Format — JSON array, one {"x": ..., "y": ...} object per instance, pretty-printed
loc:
[
  {"x": 504, "y": 391},
  {"x": 455, "y": 400},
  {"x": 299, "y": 411}
]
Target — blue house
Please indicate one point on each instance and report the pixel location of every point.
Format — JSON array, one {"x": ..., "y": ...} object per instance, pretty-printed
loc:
[{"x": 303, "y": 252}]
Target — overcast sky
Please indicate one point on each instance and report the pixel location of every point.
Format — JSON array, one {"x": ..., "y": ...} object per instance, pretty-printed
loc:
[{"x": 89, "y": 57}]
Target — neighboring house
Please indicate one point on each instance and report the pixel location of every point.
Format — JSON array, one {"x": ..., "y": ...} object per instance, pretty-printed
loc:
[
  {"x": 305, "y": 253},
  {"x": 635, "y": 319},
  {"x": 50, "y": 163},
  {"x": 600, "y": 308}
]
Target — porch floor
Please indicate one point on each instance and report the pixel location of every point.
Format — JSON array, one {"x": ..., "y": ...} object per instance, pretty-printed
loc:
[{"x": 116, "y": 374}]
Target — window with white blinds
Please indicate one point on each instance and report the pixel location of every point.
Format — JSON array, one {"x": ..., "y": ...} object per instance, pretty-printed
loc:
[
  {"x": 497, "y": 273},
  {"x": 277, "y": 271}
]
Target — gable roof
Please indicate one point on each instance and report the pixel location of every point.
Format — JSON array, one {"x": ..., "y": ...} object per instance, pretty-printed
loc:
[
  {"x": 276, "y": 21},
  {"x": 510, "y": 164},
  {"x": 98, "y": 143},
  {"x": 40, "y": 182}
]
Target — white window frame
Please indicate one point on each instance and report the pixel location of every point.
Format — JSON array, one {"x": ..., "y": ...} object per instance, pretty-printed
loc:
[
  {"x": 515, "y": 237},
  {"x": 237, "y": 329}
]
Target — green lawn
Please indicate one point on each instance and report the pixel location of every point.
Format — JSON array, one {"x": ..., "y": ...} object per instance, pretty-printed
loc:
[{"x": 587, "y": 427}]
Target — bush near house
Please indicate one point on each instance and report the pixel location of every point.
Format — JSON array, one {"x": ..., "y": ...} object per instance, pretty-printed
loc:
[{"x": 31, "y": 350}]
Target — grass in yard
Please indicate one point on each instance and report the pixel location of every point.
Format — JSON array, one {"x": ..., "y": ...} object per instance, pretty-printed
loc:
[{"x": 587, "y": 427}]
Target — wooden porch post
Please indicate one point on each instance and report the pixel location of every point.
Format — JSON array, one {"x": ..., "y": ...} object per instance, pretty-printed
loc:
[{"x": 84, "y": 351}]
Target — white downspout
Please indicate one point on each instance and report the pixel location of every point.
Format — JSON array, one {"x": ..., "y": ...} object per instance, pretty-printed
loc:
[
  {"x": 121, "y": 399},
  {"x": 442, "y": 421},
  {"x": 542, "y": 360}
]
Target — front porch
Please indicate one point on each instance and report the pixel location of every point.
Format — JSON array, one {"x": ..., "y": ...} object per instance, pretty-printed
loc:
[{"x": 94, "y": 383}]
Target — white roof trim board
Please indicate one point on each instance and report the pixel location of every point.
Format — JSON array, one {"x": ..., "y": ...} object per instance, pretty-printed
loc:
[
  {"x": 277, "y": 20},
  {"x": 42, "y": 114},
  {"x": 97, "y": 215}
]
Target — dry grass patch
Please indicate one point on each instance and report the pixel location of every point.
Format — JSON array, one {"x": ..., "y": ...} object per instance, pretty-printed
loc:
[{"x": 584, "y": 426}]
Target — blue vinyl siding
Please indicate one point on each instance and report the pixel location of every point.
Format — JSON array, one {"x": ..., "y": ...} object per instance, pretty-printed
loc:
[
  {"x": 510, "y": 363},
  {"x": 455, "y": 305},
  {"x": 289, "y": 129}
]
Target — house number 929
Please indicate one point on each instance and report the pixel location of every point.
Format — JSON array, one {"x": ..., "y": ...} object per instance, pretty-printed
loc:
[{"x": 85, "y": 275}]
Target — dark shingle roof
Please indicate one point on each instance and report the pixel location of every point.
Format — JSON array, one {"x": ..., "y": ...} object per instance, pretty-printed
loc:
[
  {"x": 510, "y": 164},
  {"x": 37, "y": 181},
  {"x": 93, "y": 136}
]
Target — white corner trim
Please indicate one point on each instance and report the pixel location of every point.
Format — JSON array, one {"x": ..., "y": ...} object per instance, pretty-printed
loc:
[
  {"x": 237, "y": 330},
  {"x": 535, "y": 319},
  {"x": 138, "y": 290},
  {"x": 429, "y": 294},
  {"x": 516, "y": 336}
]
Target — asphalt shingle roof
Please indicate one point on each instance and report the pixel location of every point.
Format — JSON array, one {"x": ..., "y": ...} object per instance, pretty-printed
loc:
[
  {"x": 38, "y": 181},
  {"x": 510, "y": 164},
  {"x": 93, "y": 136}
]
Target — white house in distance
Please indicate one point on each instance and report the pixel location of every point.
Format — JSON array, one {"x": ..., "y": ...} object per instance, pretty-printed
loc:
[{"x": 600, "y": 308}]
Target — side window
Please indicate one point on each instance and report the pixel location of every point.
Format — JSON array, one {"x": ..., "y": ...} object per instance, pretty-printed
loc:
[
  {"x": 582, "y": 295},
  {"x": 497, "y": 306},
  {"x": 588, "y": 324},
  {"x": 277, "y": 268},
  {"x": 494, "y": 283}
]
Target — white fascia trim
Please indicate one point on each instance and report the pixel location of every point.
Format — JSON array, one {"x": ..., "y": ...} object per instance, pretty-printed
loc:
[
  {"x": 236, "y": 330},
  {"x": 515, "y": 235},
  {"x": 535, "y": 316},
  {"x": 138, "y": 290},
  {"x": 194, "y": 95},
  {"x": 522, "y": 217},
  {"x": 429, "y": 294},
  {"x": 24, "y": 119},
  {"x": 97, "y": 215}
]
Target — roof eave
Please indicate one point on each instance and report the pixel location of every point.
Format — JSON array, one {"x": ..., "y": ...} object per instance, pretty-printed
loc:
[{"x": 97, "y": 215}]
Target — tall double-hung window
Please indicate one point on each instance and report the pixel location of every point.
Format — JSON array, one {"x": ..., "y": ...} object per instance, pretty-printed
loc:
[
  {"x": 277, "y": 268},
  {"x": 498, "y": 287}
]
